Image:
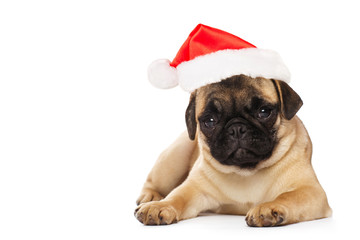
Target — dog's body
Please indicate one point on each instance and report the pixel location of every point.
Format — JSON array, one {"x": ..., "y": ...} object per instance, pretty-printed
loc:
[{"x": 245, "y": 153}]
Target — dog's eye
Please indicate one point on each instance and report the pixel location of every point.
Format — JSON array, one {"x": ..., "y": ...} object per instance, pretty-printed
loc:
[
  {"x": 210, "y": 122},
  {"x": 264, "y": 112}
]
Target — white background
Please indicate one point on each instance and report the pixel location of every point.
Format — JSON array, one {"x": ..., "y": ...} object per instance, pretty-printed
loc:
[{"x": 80, "y": 126}]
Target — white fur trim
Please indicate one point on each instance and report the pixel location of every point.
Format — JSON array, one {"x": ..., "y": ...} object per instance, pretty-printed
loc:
[
  {"x": 214, "y": 67},
  {"x": 162, "y": 75}
]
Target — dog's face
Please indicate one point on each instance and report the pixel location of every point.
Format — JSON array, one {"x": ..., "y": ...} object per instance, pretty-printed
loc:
[{"x": 238, "y": 118}]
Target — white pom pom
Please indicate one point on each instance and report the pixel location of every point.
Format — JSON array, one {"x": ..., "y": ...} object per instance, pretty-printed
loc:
[{"x": 162, "y": 75}]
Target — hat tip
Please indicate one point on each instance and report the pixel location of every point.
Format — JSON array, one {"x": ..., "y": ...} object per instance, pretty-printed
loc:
[{"x": 162, "y": 75}]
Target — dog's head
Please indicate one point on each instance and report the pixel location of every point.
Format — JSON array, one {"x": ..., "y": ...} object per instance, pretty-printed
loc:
[{"x": 237, "y": 119}]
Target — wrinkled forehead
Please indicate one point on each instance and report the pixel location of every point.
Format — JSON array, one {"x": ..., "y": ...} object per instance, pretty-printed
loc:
[{"x": 239, "y": 89}]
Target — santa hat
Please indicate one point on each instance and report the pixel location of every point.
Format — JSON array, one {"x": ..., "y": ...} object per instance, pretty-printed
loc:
[{"x": 210, "y": 55}]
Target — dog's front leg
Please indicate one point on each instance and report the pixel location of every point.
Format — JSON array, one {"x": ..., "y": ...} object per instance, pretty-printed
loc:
[
  {"x": 186, "y": 201},
  {"x": 302, "y": 204}
]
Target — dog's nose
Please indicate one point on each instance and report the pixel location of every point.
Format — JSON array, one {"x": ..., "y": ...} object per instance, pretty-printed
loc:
[{"x": 237, "y": 130}]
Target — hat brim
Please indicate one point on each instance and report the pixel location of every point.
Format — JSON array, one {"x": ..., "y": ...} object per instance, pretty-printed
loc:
[{"x": 217, "y": 66}]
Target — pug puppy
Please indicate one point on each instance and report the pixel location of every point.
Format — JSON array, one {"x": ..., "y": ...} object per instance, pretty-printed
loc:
[{"x": 245, "y": 153}]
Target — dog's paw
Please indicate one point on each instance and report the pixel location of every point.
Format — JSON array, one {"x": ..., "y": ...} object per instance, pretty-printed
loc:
[
  {"x": 156, "y": 213},
  {"x": 148, "y": 195},
  {"x": 266, "y": 215}
]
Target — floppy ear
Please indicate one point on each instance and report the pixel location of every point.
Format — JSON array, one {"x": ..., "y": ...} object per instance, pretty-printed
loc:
[
  {"x": 289, "y": 99},
  {"x": 190, "y": 116}
]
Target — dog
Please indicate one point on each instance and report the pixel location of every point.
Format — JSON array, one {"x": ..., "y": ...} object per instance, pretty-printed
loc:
[{"x": 245, "y": 153}]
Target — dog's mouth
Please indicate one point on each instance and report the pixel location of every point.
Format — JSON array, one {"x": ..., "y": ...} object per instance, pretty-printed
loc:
[
  {"x": 244, "y": 152},
  {"x": 243, "y": 158}
]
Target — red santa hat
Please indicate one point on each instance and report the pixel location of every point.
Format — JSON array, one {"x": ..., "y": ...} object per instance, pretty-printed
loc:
[{"x": 210, "y": 55}]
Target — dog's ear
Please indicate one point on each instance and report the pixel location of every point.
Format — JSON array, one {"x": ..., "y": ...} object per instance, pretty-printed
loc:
[
  {"x": 290, "y": 101},
  {"x": 190, "y": 116}
]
